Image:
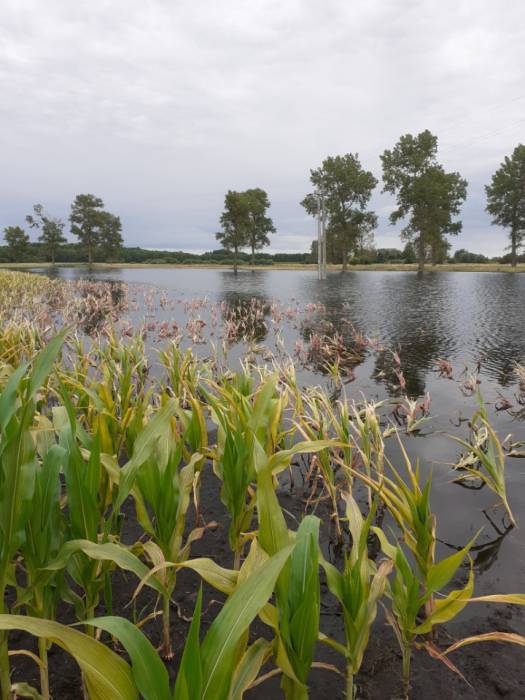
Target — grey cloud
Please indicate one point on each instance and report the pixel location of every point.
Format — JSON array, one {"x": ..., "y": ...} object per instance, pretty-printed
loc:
[{"x": 160, "y": 107}]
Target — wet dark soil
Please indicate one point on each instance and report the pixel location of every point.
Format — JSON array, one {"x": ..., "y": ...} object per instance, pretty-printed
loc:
[{"x": 492, "y": 670}]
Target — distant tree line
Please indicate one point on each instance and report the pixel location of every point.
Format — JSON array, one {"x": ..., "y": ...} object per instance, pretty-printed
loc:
[
  {"x": 428, "y": 201},
  {"x": 75, "y": 253},
  {"x": 98, "y": 231},
  {"x": 408, "y": 255}
]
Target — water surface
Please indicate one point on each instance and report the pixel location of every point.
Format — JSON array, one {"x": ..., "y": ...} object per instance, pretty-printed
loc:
[{"x": 474, "y": 320}]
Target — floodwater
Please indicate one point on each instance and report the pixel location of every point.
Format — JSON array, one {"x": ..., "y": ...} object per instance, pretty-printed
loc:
[
  {"x": 462, "y": 317},
  {"x": 475, "y": 321}
]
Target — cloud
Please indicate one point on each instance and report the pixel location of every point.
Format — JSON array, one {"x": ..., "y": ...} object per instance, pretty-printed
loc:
[{"x": 160, "y": 107}]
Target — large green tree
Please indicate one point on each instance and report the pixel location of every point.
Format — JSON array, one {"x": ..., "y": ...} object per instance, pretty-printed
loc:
[
  {"x": 259, "y": 223},
  {"x": 51, "y": 230},
  {"x": 426, "y": 195},
  {"x": 235, "y": 223},
  {"x": 346, "y": 188},
  {"x": 94, "y": 227},
  {"x": 506, "y": 199},
  {"x": 110, "y": 236},
  {"x": 17, "y": 241}
]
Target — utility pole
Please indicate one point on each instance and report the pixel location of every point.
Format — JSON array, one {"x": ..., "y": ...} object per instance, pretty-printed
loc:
[{"x": 321, "y": 238}]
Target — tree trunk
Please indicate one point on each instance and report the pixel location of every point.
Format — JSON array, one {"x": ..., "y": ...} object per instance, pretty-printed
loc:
[
  {"x": 421, "y": 253},
  {"x": 52, "y": 256},
  {"x": 343, "y": 251},
  {"x": 90, "y": 253},
  {"x": 513, "y": 256},
  {"x": 235, "y": 259},
  {"x": 253, "y": 255}
]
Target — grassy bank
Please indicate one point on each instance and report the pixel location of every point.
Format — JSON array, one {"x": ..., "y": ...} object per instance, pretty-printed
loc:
[{"x": 448, "y": 267}]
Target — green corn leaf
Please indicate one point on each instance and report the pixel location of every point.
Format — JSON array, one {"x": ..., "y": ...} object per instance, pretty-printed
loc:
[
  {"x": 189, "y": 678},
  {"x": 262, "y": 404},
  {"x": 81, "y": 495},
  {"x": 149, "y": 673},
  {"x": 303, "y": 597},
  {"x": 249, "y": 666},
  {"x": 107, "y": 551},
  {"x": 220, "y": 644},
  {"x": 106, "y": 674},
  {"x": 281, "y": 460},
  {"x": 8, "y": 404},
  {"x": 146, "y": 442},
  {"x": 18, "y": 468},
  {"x": 441, "y": 573},
  {"x": 506, "y": 598},
  {"x": 273, "y": 532},
  {"x": 447, "y": 608},
  {"x": 43, "y": 364},
  {"x": 334, "y": 579},
  {"x": 389, "y": 549},
  {"x": 222, "y": 579}
]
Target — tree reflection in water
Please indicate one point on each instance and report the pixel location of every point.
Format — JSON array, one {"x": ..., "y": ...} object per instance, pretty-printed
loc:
[{"x": 485, "y": 555}]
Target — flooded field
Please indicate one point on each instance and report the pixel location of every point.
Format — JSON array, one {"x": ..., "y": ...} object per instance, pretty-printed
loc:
[{"x": 423, "y": 353}]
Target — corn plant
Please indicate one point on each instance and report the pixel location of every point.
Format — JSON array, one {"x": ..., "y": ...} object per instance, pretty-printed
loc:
[
  {"x": 194, "y": 435},
  {"x": 221, "y": 667},
  {"x": 358, "y": 589},
  {"x": 409, "y": 504},
  {"x": 166, "y": 488},
  {"x": 105, "y": 673},
  {"x": 489, "y": 456},
  {"x": 410, "y": 592},
  {"x": 18, "y": 467},
  {"x": 109, "y": 384},
  {"x": 243, "y": 418},
  {"x": 93, "y": 512},
  {"x": 183, "y": 372},
  {"x": 369, "y": 437},
  {"x": 296, "y": 616},
  {"x": 224, "y": 665},
  {"x": 320, "y": 423},
  {"x": 44, "y": 537},
  {"x": 88, "y": 495}
]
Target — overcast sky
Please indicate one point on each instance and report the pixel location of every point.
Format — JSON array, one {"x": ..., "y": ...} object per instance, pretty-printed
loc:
[{"x": 160, "y": 106}]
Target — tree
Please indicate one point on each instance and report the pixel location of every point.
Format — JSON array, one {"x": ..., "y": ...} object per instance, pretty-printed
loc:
[
  {"x": 409, "y": 254},
  {"x": 87, "y": 219},
  {"x": 439, "y": 250},
  {"x": 51, "y": 230},
  {"x": 364, "y": 223},
  {"x": 425, "y": 193},
  {"x": 18, "y": 242},
  {"x": 110, "y": 239},
  {"x": 465, "y": 256},
  {"x": 346, "y": 189},
  {"x": 506, "y": 199},
  {"x": 235, "y": 222},
  {"x": 259, "y": 225}
]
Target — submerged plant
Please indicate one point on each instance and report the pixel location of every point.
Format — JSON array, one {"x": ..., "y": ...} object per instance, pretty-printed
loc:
[{"x": 487, "y": 457}]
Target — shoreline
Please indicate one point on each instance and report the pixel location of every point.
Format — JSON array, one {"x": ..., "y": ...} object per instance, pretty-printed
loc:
[{"x": 312, "y": 267}]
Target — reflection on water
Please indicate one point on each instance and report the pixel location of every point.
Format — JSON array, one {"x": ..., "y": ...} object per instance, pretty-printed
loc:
[
  {"x": 244, "y": 317},
  {"x": 465, "y": 317},
  {"x": 484, "y": 555}
]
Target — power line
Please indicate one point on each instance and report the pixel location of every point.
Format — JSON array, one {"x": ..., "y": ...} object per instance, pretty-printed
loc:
[
  {"x": 487, "y": 110},
  {"x": 482, "y": 137}
]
